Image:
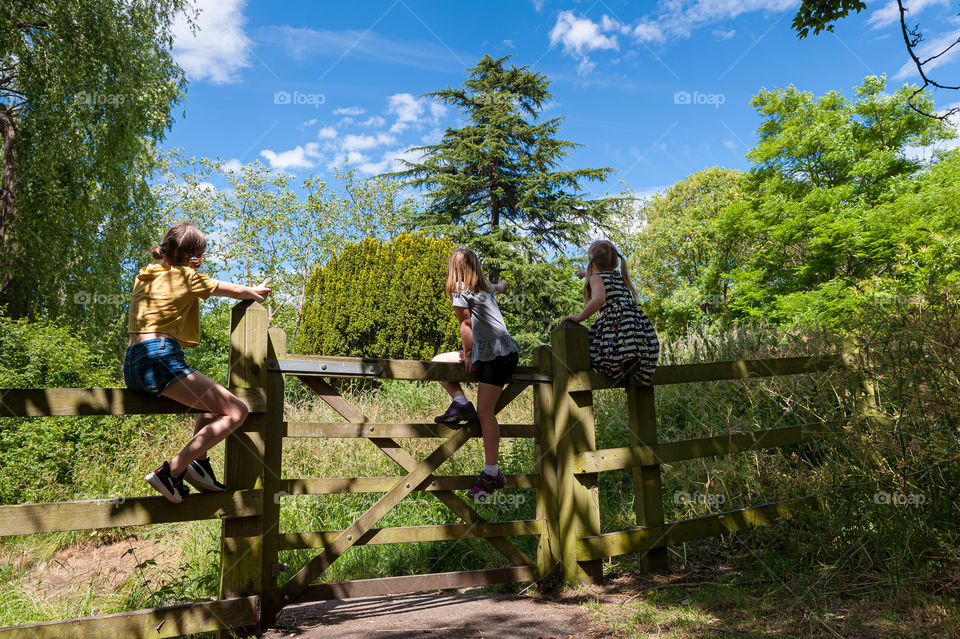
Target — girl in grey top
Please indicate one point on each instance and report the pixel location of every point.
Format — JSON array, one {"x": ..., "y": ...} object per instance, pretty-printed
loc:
[{"x": 488, "y": 350}]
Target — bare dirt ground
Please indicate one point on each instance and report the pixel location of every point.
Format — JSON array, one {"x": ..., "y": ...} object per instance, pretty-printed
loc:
[{"x": 436, "y": 616}]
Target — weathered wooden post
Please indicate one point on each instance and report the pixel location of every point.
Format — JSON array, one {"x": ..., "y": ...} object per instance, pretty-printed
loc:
[
  {"x": 578, "y": 496},
  {"x": 241, "y": 545},
  {"x": 548, "y": 549},
  {"x": 647, "y": 489},
  {"x": 273, "y": 457}
]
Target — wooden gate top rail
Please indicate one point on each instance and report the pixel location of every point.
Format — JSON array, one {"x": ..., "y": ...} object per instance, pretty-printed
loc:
[
  {"x": 415, "y": 534},
  {"x": 406, "y": 369},
  {"x": 342, "y": 485},
  {"x": 418, "y": 583},
  {"x": 174, "y": 621},
  {"x": 64, "y": 402},
  {"x": 28, "y": 519},
  {"x": 644, "y": 538},
  {"x": 596, "y": 461},
  {"x": 395, "y": 430},
  {"x": 718, "y": 371}
]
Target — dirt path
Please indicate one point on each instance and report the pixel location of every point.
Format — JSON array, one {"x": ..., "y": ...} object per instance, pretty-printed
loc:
[{"x": 435, "y": 616}]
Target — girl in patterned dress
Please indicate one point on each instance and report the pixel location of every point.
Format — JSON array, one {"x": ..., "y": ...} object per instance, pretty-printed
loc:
[{"x": 623, "y": 343}]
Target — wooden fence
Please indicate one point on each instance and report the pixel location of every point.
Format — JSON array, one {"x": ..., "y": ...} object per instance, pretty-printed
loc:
[{"x": 567, "y": 523}]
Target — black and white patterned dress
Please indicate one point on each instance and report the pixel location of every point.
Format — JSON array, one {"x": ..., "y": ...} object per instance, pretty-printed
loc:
[{"x": 622, "y": 339}]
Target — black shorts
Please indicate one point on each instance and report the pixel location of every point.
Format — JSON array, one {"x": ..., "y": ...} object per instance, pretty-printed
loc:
[{"x": 497, "y": 371}]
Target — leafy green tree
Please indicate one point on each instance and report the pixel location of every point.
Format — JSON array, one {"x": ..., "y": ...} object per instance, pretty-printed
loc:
[
  {"x": 86, "y": 92},
  {"x": 819, "y": 220},
  {"x": 680, "y": 247},
  {"x": 495, "y": 184},
  {"x": 266, "y": 223},
  {"x": 381, "y": 299}
]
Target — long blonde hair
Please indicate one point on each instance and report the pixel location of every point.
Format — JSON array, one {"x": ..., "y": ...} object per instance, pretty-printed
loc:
[
  {"x": 464, "y": 274},
  {"x": 603, "y": 257}
]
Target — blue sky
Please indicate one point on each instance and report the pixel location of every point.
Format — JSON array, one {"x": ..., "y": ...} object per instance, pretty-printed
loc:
[{"x": 655, "y": 90}]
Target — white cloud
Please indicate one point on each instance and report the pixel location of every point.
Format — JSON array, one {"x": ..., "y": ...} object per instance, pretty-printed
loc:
[
  {"x": 309, "y": 122},
  {"x": 890, "y": 12},
  {"x": 931, "y": 48},
  {"x": 232, "y": 165},
  {"x": 538, "y": 5},
  {"x": 720, "y": 34},
  {"x": 407, "y": 109},
  {"x": 353, "y": 142},
  {"x": 730, "y": 144},
  {"x": 389, "y": 161},
  {"x": 298, "y": 157},
  {"x": 327, "y": 132},
  {"x": 374, "y": 121},
  {"x": 354, "y": 110},
  {"x": 582, "y": 35},
  {"x": 220, "y": 48}
]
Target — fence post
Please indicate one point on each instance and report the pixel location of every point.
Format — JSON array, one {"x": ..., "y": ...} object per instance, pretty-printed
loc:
[
  {"x": 241, "y": 544},
  {"x": 578, "y": 496},
  {"x": 548, "y": 548},
  {"x": 647, "y": 488},
  {"x": 273, "y": 459}
]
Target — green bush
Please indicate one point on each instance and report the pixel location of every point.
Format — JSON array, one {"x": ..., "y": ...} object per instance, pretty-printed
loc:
[{"x": 378, "y": 299}]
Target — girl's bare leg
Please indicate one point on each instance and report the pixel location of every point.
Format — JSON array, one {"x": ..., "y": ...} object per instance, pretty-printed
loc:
[
  {"x": 487, "y": 396},
  {"x": 453, "y": 388},
  {"x": 224, "y": 413}
]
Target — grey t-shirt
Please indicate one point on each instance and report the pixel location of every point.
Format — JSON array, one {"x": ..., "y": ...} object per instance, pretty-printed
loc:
[{"x": 490, "y": 336}]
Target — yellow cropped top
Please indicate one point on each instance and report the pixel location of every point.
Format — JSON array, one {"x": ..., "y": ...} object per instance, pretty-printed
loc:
[{"x": 166, "y": 299}]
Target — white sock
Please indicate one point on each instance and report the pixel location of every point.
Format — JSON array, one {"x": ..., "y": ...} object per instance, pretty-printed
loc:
[
  {"x": 491, "y": 470},
  {"x": 461, "y": 400}
]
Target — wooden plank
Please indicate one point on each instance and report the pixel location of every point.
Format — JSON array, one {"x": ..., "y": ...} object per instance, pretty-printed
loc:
[
  {"x": 441, "y": 483},
  {"x": 28, "y": 519},
  {"x": 395, "y": 430},
  {"x": 406, "y": 461},
  {"x": 717, "y": 371},
  {"x": 241, "y": 539},
  {"x": 579, "y": 499},
  {"x": 329, "y": 394},
  {"x": 272, "y": 464},
  {"x": 414, "y": 534},
  {"x": 411, "y": 369},
  {"x": 643, "y": 539},
  {"x": 548, "y": 546},
  {"x": 174, "y": 621},
  {"x": 510, "y": 393},
  {"x": 316, "y": 566},
  {"x": 418, "y": 583},
  {"x": 647, "y": 486},
  {"x": 669, "y": 452},
  {"x": 62, "y": 402}
]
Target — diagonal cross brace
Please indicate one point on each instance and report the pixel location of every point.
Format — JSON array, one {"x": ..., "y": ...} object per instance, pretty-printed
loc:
[
  {"x": 315, "y": 567},
  {"x": 406, "y": 461}
]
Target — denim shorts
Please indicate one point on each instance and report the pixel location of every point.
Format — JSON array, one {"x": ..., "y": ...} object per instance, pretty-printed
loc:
[{"x": 154, "y": 364}]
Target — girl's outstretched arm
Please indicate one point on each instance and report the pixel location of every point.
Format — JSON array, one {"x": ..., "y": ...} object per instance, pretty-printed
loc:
[
  {"x": 466, "y": 334},
  {"x": 598, "y": 295},
  {"x": 241, "y": 292}
]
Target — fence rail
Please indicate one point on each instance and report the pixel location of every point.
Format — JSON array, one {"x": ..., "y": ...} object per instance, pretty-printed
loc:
[{"x": 565, "y": 481}]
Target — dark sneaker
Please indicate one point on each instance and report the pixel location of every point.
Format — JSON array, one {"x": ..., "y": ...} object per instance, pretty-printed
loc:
[
  {"x": 167, "y": 485},
  {"x": 456, "y": 414},
  {"x": 200, "y": 475},
  {"x": 485, "y": 484}
]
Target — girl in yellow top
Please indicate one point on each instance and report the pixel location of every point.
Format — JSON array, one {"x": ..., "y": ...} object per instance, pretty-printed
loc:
[{"x": 165, "y": 315}]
